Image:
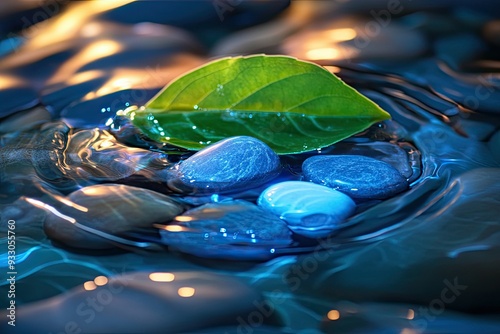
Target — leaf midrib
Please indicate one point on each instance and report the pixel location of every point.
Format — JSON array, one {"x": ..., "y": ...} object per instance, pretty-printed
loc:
[{"x": 166, "y": 113}]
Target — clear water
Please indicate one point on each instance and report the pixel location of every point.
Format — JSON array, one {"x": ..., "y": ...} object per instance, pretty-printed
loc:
[{"x": 434, "y": 69}]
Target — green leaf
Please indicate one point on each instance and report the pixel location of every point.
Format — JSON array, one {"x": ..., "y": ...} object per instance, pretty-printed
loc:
[{"x": 292, "y": 105}]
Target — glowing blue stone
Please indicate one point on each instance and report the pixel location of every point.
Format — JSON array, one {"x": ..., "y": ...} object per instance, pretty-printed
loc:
[{"x": 309, "y": 209}]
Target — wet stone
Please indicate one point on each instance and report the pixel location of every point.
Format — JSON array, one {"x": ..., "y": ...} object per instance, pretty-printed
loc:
[
  {"x": 28, "y": 219},
  {"x": 26, "y": 153},
  {"x": 357, "y": 176},
  {"x": 387, "y": 152},
  {"x": 227, "y": 230},
  {"x": 231, "y": 164},
  {"x": 310, "y": 209},
  {"x": 112, "y": 209},
  {"x": 25, "y": 120},
  {"x": 172, "y": 302}
]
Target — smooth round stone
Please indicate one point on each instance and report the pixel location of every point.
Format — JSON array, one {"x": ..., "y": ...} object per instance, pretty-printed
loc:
[
  {"x": 355, "y": 175},
  {"x": 142, "y": 302},
  {"x": 25, "y": 120},
  {"x": 237, "y": 230},
  {"x": 104, "y": 158},
  {"x": 393, "y": 154},
  {"x": 112, "y": 209},
  {"x": 231, "y": 164},
  {"x": 309, "y": 209},
  {"x": 29, "y": 219}
]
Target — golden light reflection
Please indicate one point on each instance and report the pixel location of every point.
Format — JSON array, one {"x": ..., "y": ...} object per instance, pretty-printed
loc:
[
  {"x": 340, "y": 35},
  {"x": 69, "y": 203},
  {"x": 95, "y": 191},
  {"x": 410, "y": 315},
  {"x": 116, "y": 84},
  {"x": 89, "y": 96},
  {"x": 79, "y": 78},
  {"x": 106, "y": 144},
  {"x": 323, "y": 53},
  {"x": 100, "y": 49},
  {"x": 89, "y": 286},
  {"x": 409, "y": 331},
  {"x": 10, "y": 82},
  {"x": 172, "y": 228},
  {"x": 101, "y": 280},
  {"x": 92, "y": 29},
  {"x": 162, "y": 277},
  {"x": 332, "y": 69},
  {"x": 183, "y": 218},
  {"x": 186, "y": 292},
  {"x": 64, "y": 27},
  {"x": 42, "y": 205},
  {"x": 67, "y": 72},
  {"x": 333, "y": 315}
]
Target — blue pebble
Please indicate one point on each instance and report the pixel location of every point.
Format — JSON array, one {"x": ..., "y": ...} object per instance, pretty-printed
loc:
[
  {"x": 229, "y": 165},
  {"x": 309, "y": 209},
  {"x": 357, "y": 176},
  {"x": 237, "y": 230}
]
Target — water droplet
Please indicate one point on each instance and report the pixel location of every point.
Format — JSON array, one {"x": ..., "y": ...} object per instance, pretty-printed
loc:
[
  {"x": 196, "y": 107},
  {"x": 194, "y": 127},
  {"x": 220, "y": 89}
]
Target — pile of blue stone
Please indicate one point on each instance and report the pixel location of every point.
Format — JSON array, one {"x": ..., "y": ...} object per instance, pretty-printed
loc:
[
  {"x": 233, "y": 200},
  {"x": 313, "y": 206}
]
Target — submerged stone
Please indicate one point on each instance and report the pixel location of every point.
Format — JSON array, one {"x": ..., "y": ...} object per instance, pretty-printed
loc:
[
  {"x": 112, "y": 209},
  {"x": 171, "y": 302},
  {"x": 229, "y": 165},
  {"x": 357, "y": 176},
  {"x": 393, "y": 154},
  {"x": 309, "y": 209},
  {"x": 229, "y": 230}
]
